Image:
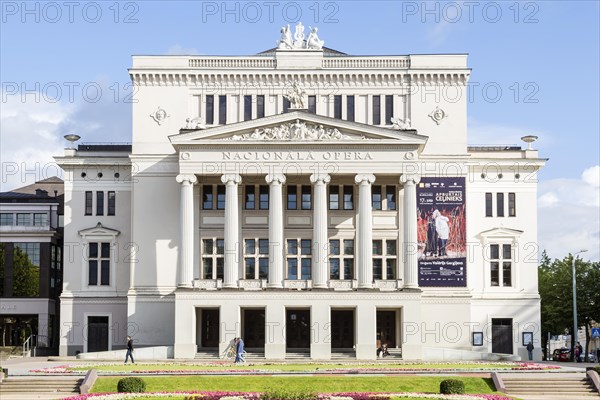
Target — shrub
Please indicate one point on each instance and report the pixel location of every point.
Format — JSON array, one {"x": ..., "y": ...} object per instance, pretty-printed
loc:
[
  {"x": 597, "y": 369},
  {"x": 131, "y": 384},
  {"x": 286, "y": 394},
  {"x": 452, "y": 386}
]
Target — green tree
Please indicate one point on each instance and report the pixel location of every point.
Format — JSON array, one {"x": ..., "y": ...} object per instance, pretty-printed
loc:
[{"x": 26, "y": 276}]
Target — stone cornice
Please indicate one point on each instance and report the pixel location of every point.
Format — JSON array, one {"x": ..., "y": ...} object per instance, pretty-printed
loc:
[{"x": 291, "y": 295}]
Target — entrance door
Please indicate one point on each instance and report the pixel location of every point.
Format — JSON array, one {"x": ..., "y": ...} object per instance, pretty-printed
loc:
[
  {"x": 386, "y": 328},
  {"x": 210, "y": 328},
  {"x": 97, "y": 334},
  {"x": 342, "y": 329},
  {"x": 254, "y": 328},
  {"x": 502, "y": 336},
  {"x": 297, "y": 329}
]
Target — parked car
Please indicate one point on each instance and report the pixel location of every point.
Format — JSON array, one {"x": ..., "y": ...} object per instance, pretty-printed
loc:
[{"x": 563, "y": 354}]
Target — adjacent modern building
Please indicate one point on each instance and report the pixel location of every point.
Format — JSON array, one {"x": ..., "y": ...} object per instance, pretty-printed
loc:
[{"x": 307, "y": 200}]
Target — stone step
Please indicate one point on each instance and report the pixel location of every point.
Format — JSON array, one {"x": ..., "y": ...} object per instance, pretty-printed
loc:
[{"x": 36, "y": 385}]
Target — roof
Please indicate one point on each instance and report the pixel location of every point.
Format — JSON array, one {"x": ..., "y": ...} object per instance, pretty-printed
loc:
[
  {"x": 116, "y": 147},
  {"x": 54, "y": 183},
  {"x": 327, "y": 52}
]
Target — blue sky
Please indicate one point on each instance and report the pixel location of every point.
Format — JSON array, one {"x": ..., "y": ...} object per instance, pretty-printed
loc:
[{"x": 543, "y": 56}]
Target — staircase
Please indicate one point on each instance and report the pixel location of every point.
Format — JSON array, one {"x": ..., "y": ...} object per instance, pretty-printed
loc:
[
  {"x": 39, "y": 387},
  {"x": 536, "y": 386},
  {"x": 207, "y": 354},
  {"x": 297, "y": 355},
  {"x": 343, "y": 354}
]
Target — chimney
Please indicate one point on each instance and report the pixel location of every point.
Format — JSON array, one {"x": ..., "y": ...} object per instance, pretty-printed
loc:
[{"x": 41, "y": 192}]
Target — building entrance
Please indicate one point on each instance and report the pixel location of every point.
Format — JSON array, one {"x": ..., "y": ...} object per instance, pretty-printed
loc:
[
  {"x": 97, "y": 334},
  {"x": 209, "y": 327},
  {"x": 297, "y": 329},
  {"x": 502, "y": 335},
  {"x": 342, "y": 329},
  {"x": 386, "y": 328},
  {"x": 253, "y": 330}
]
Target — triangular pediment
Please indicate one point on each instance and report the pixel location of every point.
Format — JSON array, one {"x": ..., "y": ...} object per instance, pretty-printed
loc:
[
  {"x": 298, "y": 127},
  {"x": 99, "y": 231},
  {"x": 501, "y": 232}
]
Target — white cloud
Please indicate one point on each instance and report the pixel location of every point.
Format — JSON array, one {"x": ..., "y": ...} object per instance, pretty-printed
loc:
[
  {"x": 179, "y": 50},
  {"x": 569, "y": 215}
]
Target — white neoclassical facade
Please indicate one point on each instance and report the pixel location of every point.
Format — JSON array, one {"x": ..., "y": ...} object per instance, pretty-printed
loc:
[{"x": 312, "y": 202}]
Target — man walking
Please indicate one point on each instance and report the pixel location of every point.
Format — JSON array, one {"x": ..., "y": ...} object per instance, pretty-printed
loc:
[
  {"x": 129, "y": 350},
  {"x": 239, "y": 356}
]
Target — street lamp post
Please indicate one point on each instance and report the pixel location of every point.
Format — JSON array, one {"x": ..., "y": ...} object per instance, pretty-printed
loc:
[{"x": 574, "y": 334}]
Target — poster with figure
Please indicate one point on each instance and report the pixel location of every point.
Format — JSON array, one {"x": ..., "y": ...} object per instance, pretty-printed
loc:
[{"x": 441, "y": 232}]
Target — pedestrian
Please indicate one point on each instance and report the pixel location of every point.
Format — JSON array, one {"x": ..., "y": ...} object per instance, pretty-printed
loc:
[
  {"x": 578, "y": 351},
  {"x": 530, "y": 350},
  {"x": 239, "y": 347},
  {"x": 129, "y": 350}
]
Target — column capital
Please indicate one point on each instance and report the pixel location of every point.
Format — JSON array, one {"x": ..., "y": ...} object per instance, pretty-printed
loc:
[
  {"x": 326, "y": 178},
  {"x": 275, "y": 178},
  {"x": 368, "y": 178},
  {"x": 407, "y": 178},
  {"x": 191, "y": 178},
  {"x": 234, "y": 178}
]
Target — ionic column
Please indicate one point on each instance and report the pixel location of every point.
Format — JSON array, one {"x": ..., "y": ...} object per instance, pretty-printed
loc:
[
  {"x": 275, "y": 230},
  {"x": 320, "y": 224},
  {"x": 186, "y": 225},
  {"x": 409, "y": 247},
  {"x": 232, "y": 229},
  {"x": 365, "y": 230}
]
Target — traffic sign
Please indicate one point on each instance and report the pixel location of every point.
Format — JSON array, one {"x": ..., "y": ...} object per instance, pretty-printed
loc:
[{"x": 596, "y": 333}]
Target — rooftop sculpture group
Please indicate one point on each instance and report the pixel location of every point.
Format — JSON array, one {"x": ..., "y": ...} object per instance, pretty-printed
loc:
[{"x": 312, "y": 42}]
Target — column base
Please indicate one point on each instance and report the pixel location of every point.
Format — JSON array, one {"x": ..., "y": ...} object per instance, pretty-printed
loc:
[
  {"x": 365, "y": 286},
  {"x": 366, "y": 351},
  {"x": 274, "y": 286},
  {"x": 410, "y": 286},
  {"x": 184, "y": 286},
  {"x": 184, "y": 350},
  {"x": 320, "y": 351},
  {"x": 319, "y": 285},
  {"x": 275, "y": 351},
  {"x": 230, "y": 286}
]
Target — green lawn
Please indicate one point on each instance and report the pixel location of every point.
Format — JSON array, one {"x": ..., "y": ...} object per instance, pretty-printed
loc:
[{"x": 329, "y": 384}]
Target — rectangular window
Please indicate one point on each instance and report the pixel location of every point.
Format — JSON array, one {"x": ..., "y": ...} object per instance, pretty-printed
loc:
[
  {"x": 112, "y": 203},
  {"x": 99, "y": 203},
  {"x": 292, "y": 265},
  {"x": 40, "y": 219},
  {"x": 305, "y": 247},
  {"x": 306, "y": 198},
  {"x": 292, "y": 246},
  {"x": 334, "y": 197},
  {"x": 250, "y": 268},
  {"x": 299, "y": 262},
  {"x": 488, "y": 205},
  {"x": 286, "y": 104},
  {"x": 376, "y": 196},
  {"x": 337, "y": 106},
  {"x": 312, "y": 104},
  {"x": 512, "y": 205},
  {"x": 376, "y": 110},
  {"x": 263, "y": 197},
  {"x": 390, "y": 196},
  {"x": 221, "y": 197},
  {"x": 501, "y": 265},
  {"x": 350, "y": 108},
  {"x": 348, "y": 197},
  {"x": 260, "y": 106},
  {"x": 495, "y": 273},
  {"x": 213, "y": 251},
  {"x": 99, "y": 264},
  {"x": 506, "y": 273},
  {"x": 88, "y": 203},
  {"x": 250, "y": 246},
  {"x": 292, "y": 197},
  {"x": 341, "y": 260},
  {"x": 250, "y": 201},
  {"x": 384, "y": 259},
  {"x": 377, "y": 268},
  {"x": 247, "y": 108},
  {"x": 207, "y": 197},
  {"x": 210, "y": 109},
  {"x": 24, "y": 219},
  {"x": 32, "y": 250},
  {"x": 389, "y": 109},
  {"x": 377, "y": 248},
  {"x": 500, "y": 204},
  {"x": 6, "y": 219},
  {"x": 222, "y": 110}
]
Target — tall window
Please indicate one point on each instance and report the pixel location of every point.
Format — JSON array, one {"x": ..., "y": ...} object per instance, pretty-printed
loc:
[
  {"x": 312, "y": 104},
  {"x": 306, "y": 197},
  {"x": 488, "y": 205},
  {"x": 256, "y": 258},
  {"x": 348, "y": 197},
  {"x": 512, "y": 205},
  {"x": 299, "y": 258},
  {"x": 222, "y": 110},
  {"x": 213, "y": 253},
  {"x": 210, "y": 109},
  {"x": 384, "y": 259},
  {"x": 390, "y": 197},
  {"x": 341, "y": 198},
  {"x": 247, "y": 108},
  {"x": 376, "y": 197},
  {"x": 99, "y": 203},
  {"x": 263, "y": 197},
  {"x": 260, "y": 106},
  {"x": 500, "y": 265},
  {"x": 389, "y": 109},
  {"x": 250, "y": 200},
  {"x": 376, "y": 110},
  {"x": 337, "y": 106},
  {"x": 99, "y": 264},
  {"x": 32, "y": 250},
  {"x": 286, "y": 104},
  {"x": 500, "y": 204},
  {"x": 334, "y": 197},
  {"x": 221, "y": 197},
  {"x": 341, "y": 259},
  {"x": 207, "y": 197},
  {"x": 112, "y": 203},
  {"x": 88, "y": 203},
  {"x": 350, "y": 108},
  {"x": 292, "y": 197}
]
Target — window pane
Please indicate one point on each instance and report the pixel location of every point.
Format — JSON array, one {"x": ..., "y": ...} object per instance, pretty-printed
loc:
[
  {"x": 512, "y": 205},
  {"x": 6, "y": 219},
  {"x": 348, "y": 198},
  {"x": 348, "y": 268},
  {"x": 377, "y": 248},
  {"x": 500, "y": 204},
  {"x": 377, "y": 271},
  {"x": 263, "y": 246},
  {"x": 264, "y": 197},
  {"x": 263, "y": 268},
  {"x": 376, "y": 110},
  {"x": 390, "y": 268},
  {"x": 312, "y": 104},
  {"x": 93, "y": 250},
  {"x": 93, "y": 272},
  {"x": 250, "y": 197},
  {"x": 208, "y": 246},
  {"x": 260, "y": 106},
  {"x": 390, "y": 247},
  {"x": 390, "y": 195},
  {"x": 105, "y": 250},
  {"x": 24, "y": 219},
  {"x": 247, "y": 108},
  {"x": 207, "y": 265},
  {"x": 495, "y": 278},
  {"x": 349, "y": 247},
  {"x": 210, "y": 109},
  {"x": 506, "y": 274},
  {"x": 220, "y": 246},
  {"x": 334, "y": 198},
  {"x": 249, "y": 268},
  {"x": 88, "y": 203},
  {"x": 292, "y": 198},
  {"x": 350, "y": 108},
  {"x": 220, "y": 263},
  {"x": 376, "y": 196},
  {"x": 99, "y": 203},
  {"x": 306, "y": 198},
  {"x": 222, "y": 110},
  {"x": 306, "y": 267},
  {"x": 292, "y": 265},
  {"x": 334, "y": 268},
  {"x": 488, "y": 205},
  {"x": 292, "y": 246},
  {"x": 389, "y": 109},
  {"x": 112, "y": 203},
  {"x": 105, "y": 272},
  {"x": 286, "y": 104},
  {"x": 305, "y": 245},
  {"x": 221, "y": 197},
  {"x": 334, "y": 247},
  {"x": 506, "y": 252},
  {"x": 250, "y": 246},
  {"x": 494, "y": 252},
  {"x": 207, "y": 197},
  {"x": 337, "y": 106},
  {"x": 40, "y": 219}
]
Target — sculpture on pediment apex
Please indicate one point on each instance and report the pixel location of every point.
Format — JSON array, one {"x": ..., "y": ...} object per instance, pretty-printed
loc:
[
  {"x": 313, "y": 41},
  {"x": 194, "y": 123},
  {"x": 399, "y": 123},
  {"x": 299, "y": 36},
  {"x": 295, "y": 94},
  {"x": 285, "y": 43}
]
